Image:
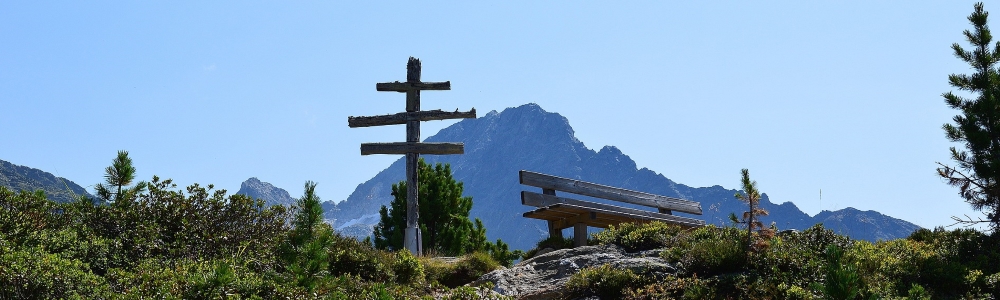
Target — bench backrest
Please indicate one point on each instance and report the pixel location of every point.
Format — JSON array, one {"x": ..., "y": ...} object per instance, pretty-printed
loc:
[{"x": 549, "y": 182}]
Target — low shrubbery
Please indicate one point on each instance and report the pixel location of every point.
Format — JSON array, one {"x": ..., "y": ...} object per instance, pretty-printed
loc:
[
  {"x": 605, "y": 281},
  {"x": 199, "y": 244},
  {"x": 812, "y": 264},
  {"x": 465, "y": 270}
]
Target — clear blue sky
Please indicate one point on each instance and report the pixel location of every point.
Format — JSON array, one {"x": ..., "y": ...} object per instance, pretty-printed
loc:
[{"x": 843, "y": 97}]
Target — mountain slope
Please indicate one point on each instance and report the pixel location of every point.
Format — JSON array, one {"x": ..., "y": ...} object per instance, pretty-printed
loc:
[
  {"x": 527, "y": 137},
  {"x": 271, "y": 195},
  {"x": 21, "y": 178}
]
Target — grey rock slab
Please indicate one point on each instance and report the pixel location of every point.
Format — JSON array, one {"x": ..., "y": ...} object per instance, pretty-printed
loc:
[{"x": 544, "y": 276}]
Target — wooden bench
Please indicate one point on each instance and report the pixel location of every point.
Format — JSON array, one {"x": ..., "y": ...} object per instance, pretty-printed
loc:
[{"x": 561, "y": 212}]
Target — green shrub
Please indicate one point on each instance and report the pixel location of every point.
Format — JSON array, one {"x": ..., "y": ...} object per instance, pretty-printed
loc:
[
  {"x": 500, "y": 252},
  {"x": 917, "y": 292},
  {"x": 789, "y": 263},
  {"x": 605, "y": 282},
  {"x": 349, "y": 256},
  {"x": 673, "y": 288},
  {"x": 36, "y": 274},
  {"x": 466, "y": 270},
  {"x": 708, "y": 251},
  {"x": 407, "y": 268},
  {"x": 842, "y": 282},
  {"x": 198, "y": 279},
  {"x": 639, "y": 236}
]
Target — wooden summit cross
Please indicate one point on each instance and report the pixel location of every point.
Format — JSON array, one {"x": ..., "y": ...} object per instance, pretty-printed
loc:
[{"x": 412, "y": 147}]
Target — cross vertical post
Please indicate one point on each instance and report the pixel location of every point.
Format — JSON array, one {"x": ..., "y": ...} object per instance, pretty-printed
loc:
[
  {"x": 411, "y": 236},
  {"x": 412, "y": 147}
]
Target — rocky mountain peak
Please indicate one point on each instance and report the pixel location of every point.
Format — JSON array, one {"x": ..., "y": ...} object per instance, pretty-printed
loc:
[
  {"x": 271, "y": 195},
  {"x": 527, "y": 137}
]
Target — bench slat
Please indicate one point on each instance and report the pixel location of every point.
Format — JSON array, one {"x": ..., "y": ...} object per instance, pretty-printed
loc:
[
  {"x": 549, "y": 201},
  {"x": 579, "y": 187},
  {"x": 562, "y": 219},
  {"x": 566, "y": 215}
]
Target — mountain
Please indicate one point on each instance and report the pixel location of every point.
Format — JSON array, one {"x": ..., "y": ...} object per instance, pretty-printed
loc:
[
  {"x": 21, "y": 178},
  {"x": 527, "y": 137},
  {"x": 271, "y": 195},
  {"x": 879, "y": 226}
]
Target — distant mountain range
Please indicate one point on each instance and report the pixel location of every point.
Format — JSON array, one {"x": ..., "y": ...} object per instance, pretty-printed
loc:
[
  {"x": 497, "y": 146},
  {"x": 21, "y": 178},
  {"x": 527, "y": 137}
]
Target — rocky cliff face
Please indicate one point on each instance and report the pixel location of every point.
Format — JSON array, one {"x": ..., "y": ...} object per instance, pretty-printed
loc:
[
  {"x": 21, "y": 178},
  {"x": 271, "y": 195},
  {"x": 498, "y": 145}
]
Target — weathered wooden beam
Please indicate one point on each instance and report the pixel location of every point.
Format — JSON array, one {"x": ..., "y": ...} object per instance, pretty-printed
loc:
[
  {"x": 541, "y": 200},
  {"x": 567, "y": 215},
  {"x": 579, "y": 235},
  {"x": 403, "y": 117},
  {"x": 554, "y": 231},
  {"x": 403, "y": 87},
  {"x": 412, "y": 147},
  {"x": 580, "y": 187}
]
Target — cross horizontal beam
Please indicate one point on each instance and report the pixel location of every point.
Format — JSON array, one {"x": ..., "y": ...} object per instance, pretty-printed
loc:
[
  {"x": 403, "y": 117},
  {"x": 403, "y": 87},
  {"x": 410, "y": 147}
]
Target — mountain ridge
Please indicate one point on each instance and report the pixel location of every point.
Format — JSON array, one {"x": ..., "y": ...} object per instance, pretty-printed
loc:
[
  {"x": 23, "y": 178},
  {"x": 527, "y": 137}
]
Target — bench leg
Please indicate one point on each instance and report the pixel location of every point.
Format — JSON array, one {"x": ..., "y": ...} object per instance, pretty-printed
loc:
[
  {"x": 553, "y": 231},
  {"x": 579, "y": 235}
]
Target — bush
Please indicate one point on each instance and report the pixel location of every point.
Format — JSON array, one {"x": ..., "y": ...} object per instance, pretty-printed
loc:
[
  {"x": 466, "y": 270},
  {"x": 639, "y": 236},
  {"x": 349, "y": 256},
  {"x": 709, "y": 251},
  {"x": 605, "y": 281},
  {"x": 500, "y": 252},
  {"x": 407, "y": 268},
  {"x": 198, "y": 279},
  {"x": 842, "y": 280},
  {"x": 673, "y": 288},
  {"x": 36, "y": 274}
]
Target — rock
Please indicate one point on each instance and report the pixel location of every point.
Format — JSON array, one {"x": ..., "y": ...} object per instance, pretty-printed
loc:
[
  {"x": 545, "y": 275},
  {"x": 543, "y": 251},
  {"x": 271, "y": 195}
]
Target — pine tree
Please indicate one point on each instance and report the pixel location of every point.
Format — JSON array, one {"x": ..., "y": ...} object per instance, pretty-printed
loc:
[
  {"x": 305, "y": 252},
  {"x": 751, "y": 217},
  {"x": 118, "y": 176},
  {"x": 977, "y": 173},
  {"x": 444, "y": 215},
  {"x": 444, "y": 218}
]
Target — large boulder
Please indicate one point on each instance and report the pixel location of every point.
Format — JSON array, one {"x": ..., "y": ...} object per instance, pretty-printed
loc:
[{"x": 544, "y": 276}]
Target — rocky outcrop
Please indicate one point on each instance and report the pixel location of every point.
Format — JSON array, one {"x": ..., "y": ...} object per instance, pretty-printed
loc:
[
  {"x": 271, "y": 195},
  {"x": 544, "y": 276}
]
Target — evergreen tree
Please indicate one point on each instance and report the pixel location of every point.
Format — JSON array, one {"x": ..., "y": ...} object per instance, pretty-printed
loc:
[
  {"x": 444, "y": 218},
  {"x": 308, "y": 240},
  {"x": 978, "y": 127},
  {"x": 751, "y": 217},
  {"x": 118, "y": 176}
]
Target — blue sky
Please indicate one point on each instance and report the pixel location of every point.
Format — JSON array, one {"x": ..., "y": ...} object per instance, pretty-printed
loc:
[{"x": 843, "y": 97}]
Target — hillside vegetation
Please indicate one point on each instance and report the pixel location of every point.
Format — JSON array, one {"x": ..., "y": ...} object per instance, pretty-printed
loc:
[
  {"x": 812, "y": 264},
  {"x": 197, "y": 243}
]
